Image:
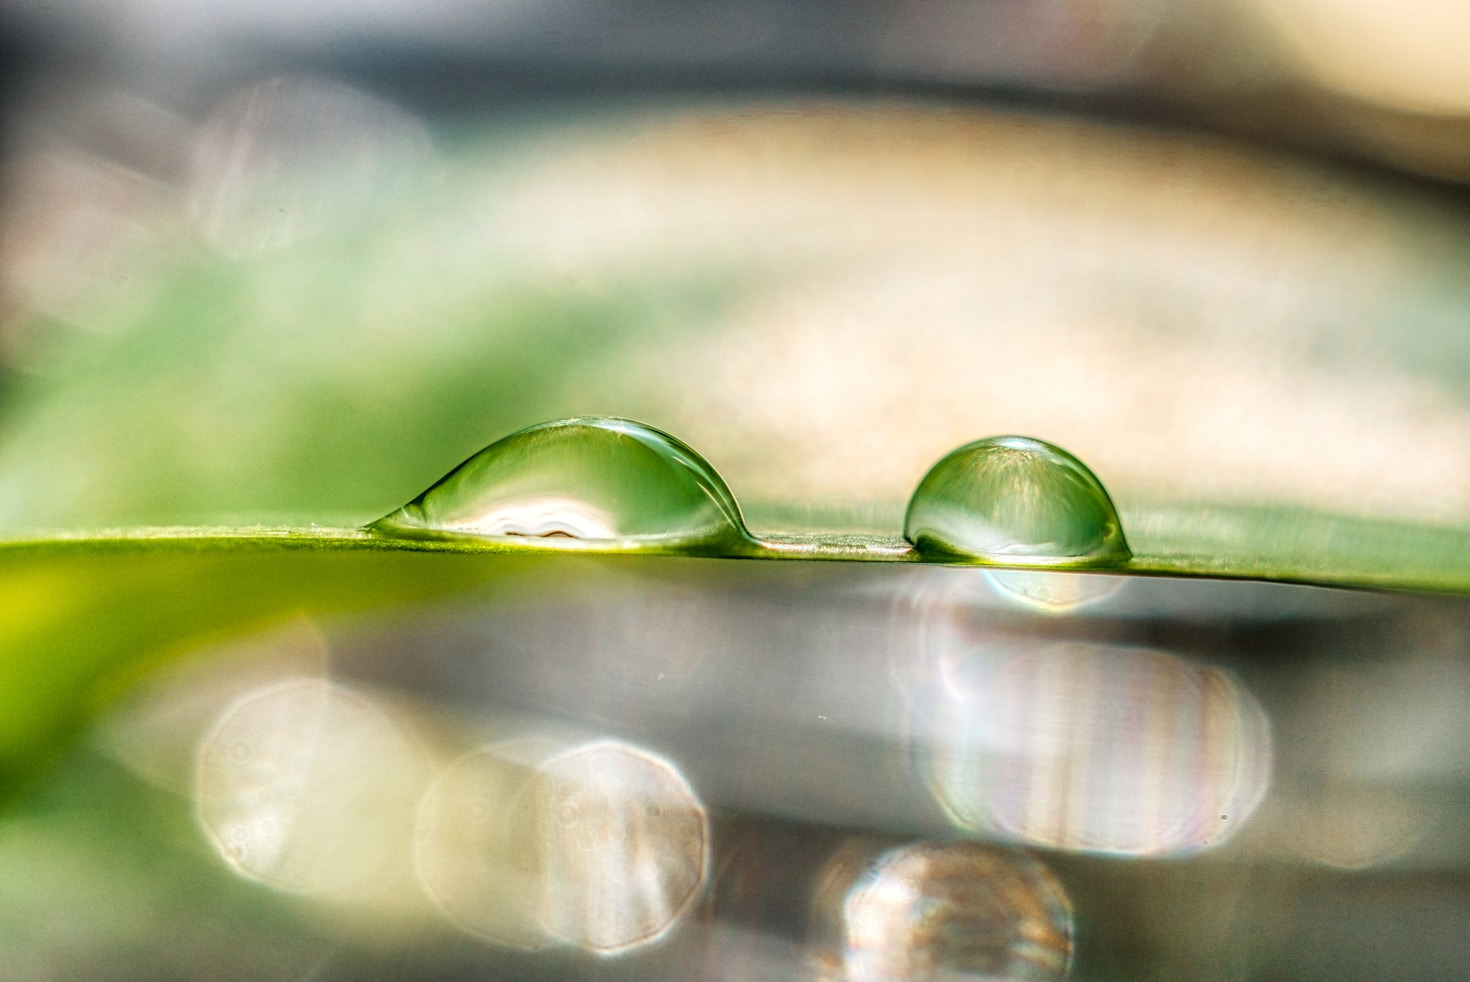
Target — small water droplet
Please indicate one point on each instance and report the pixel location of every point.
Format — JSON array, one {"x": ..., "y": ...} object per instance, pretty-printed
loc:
[
  {"x": 593, "y": 479},
  {"x": 1012, "y": 498}
]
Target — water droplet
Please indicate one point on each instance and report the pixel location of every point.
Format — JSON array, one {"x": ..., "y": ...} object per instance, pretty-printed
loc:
[
  {"x": 1011, "y": 498},
  {"x": 612, "y": 482}
]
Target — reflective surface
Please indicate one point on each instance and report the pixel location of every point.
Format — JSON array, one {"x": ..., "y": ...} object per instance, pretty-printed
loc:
[
  {"x": 651, "y": 767},
  {"x": 953, "y": 910},
  {"x": 269, "y": 265}
]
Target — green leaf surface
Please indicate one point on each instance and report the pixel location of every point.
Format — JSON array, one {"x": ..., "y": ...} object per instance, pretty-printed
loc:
[
  {"x": 86, "y": 615},
  {"x": 84, "y": 618}
]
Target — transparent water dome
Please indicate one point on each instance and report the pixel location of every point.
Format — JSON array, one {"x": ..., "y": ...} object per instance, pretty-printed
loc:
[
  {"x": 612, "y": 482},
  {"x": 1014, "y": 498}
]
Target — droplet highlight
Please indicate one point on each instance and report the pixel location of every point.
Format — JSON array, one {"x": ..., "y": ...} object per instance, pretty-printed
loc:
[
  {"x": 1053, "y": 592},
  {"x": 310, "y": 788},
  {"x": 1011, "y": 499},
  {"x": 623, "y": 845},
  {"x": 1090, "y": 747},
  {"x": 601, "y": 845},
  {"x": 610, "y": 483},
  {"x": 931, "y": 911}
]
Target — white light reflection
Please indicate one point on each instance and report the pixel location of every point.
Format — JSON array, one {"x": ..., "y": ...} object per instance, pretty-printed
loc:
[
  {"x": 287, "y": 156},
  {"x": 601, "y": 845},
  {"x": 928, "y": 912},
  {"x": 1084, "y": 746},
  {"x": 545, "y": 517},
  {"x": 1053, "y": 592},
  {"x": 1097, "y": 748},
  {"x": 310, "y": 788},
  {"x": 474, "y": 853}
]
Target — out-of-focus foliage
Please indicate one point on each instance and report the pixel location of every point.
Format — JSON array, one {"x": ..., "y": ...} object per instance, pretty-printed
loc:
[{"x": 820, "y": 300}]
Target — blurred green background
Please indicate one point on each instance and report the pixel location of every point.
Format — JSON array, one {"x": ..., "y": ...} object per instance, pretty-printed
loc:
[{"x": 296, "y": 270}]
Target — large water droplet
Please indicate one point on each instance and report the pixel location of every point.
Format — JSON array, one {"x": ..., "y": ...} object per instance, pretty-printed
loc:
[
  {"x": 612, "y": 482},
  {"x": 1010, "y": 499}
]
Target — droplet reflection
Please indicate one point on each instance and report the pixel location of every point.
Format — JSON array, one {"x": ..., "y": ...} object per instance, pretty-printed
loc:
[
  {"x": 1093, "y": 747},
  {"x": 614, "y": 482},
  {"x": 1015, "y": 499},
  {"x": 474, "y": 854},
  {"x": 1053, "y": 593},
  {"x": 310, "y": 788},
  {"x": 928, "y": 912},
  {"x": 602, "y": 845},
  {"x": 156, "y": 727}
]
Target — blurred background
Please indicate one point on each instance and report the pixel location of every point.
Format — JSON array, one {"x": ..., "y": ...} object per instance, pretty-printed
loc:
[
  {"x": 277, "y": 264},
  {"x": 264, "y": 265}
]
